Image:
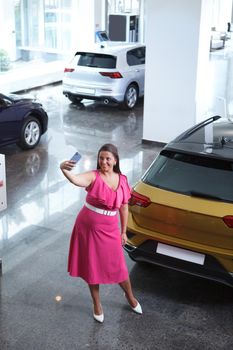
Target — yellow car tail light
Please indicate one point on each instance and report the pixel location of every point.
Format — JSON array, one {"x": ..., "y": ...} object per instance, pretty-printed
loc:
[
  {"x": 140, "y": 200},
  {"x": 228, "y": 219}
]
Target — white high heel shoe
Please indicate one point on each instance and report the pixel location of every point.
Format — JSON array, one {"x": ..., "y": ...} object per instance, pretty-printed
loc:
[
  {"x": 137, "y": 308},
  {"x": 99, "y": 318}
]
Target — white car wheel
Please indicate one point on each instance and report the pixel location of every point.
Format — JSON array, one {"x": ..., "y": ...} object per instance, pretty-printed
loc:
[{"x": 131, "y": 96}]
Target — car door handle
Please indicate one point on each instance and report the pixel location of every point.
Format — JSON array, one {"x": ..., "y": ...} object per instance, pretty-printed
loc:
[{"x": 137, "y": 70}]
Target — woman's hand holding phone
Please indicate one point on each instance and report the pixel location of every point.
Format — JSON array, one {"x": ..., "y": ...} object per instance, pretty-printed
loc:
[
  {"x": 76, "y": 157},
  {"x": 70, "y": 164}
]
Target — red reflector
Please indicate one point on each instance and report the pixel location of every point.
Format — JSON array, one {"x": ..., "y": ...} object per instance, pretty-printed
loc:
[
  {"x": 139, "y": 199},
  {"x": 228, "y": 219},
  {"x": 68, "y": 70},
  {"x": 112, "y": 75}
]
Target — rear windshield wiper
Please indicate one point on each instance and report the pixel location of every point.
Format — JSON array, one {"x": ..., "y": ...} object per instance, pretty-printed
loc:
[{"x": 203, "y": 195}]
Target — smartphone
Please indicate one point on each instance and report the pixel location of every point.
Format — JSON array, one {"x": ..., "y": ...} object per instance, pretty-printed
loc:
[{"x": 76, "y": 157}]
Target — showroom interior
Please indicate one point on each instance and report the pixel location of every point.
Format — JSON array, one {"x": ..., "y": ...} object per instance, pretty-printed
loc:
[{"x": 188, "y": 78}]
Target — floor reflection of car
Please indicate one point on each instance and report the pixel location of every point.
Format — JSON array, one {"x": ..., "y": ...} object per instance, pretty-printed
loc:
[
  {"x": 32, "y": 166},
  {"x": 77, "y": 126},
  {"x": 27, "y": 189},
  {"x": 181, "y": 211},
  {"x": 22, "y": 121},
  {"x": 109, "y": 72}
]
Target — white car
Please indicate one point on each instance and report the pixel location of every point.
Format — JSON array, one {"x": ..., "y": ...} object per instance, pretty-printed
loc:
[{"x": 109, "y": 72}]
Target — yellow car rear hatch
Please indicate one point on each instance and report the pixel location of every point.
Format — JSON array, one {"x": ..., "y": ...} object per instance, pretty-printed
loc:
[{"x": 181, "y": 216}]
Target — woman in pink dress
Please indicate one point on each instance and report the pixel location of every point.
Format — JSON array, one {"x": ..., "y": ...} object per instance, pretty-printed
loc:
[{"x": 96, "y": 253}]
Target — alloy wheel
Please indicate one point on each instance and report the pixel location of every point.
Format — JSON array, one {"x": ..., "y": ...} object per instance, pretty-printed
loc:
[{"x": 32, "y": 133}]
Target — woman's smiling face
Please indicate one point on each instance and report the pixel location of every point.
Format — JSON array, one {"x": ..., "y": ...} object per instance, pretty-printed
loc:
[{"x": 106, "y": 161}]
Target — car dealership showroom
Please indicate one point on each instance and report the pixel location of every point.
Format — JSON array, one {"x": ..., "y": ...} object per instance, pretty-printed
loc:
[{"x": 155, "y": 79}]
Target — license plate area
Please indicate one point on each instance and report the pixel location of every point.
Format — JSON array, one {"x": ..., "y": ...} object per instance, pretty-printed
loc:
[
  {"x": 82, "y": 90},
  {"x": 180, "y": 253}
]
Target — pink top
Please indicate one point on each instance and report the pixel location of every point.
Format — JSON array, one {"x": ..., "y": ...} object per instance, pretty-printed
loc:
[{"x": 102, "y": 196}]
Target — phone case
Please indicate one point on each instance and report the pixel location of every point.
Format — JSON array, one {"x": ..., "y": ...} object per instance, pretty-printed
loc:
[{"x": 76, "y": 157}]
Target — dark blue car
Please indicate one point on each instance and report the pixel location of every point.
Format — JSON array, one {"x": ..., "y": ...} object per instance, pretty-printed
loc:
[{"x": 22, "y": 121}]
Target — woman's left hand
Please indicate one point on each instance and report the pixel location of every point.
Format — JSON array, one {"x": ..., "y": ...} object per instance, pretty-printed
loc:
[{"x": 124, "y": 238}]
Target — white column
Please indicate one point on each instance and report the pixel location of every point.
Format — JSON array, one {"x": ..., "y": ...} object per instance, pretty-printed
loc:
[
  {"x": 89, "y": 16},
  {"x": 100, "y": 14},
  {"x": 175, "y": 59}
]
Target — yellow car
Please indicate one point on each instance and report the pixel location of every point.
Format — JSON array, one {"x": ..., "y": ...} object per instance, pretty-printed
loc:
[{"x": 181, "y": 211}]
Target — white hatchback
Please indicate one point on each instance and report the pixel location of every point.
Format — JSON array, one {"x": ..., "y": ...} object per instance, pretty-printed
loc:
[{"x": 110, "y": 72}]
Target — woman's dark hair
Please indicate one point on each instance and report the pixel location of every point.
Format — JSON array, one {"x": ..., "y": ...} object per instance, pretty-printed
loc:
[{"x": 108, "y": 147}]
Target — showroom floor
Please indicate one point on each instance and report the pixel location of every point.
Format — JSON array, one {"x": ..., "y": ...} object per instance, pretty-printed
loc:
[
  {"x": 41, "y": 306},
  {"x": 36, "y": 227}
]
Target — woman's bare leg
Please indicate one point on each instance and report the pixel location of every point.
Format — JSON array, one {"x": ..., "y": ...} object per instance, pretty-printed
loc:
[
  {"x": 126, "y": 286},
  {"x": 94, "y": 289}
]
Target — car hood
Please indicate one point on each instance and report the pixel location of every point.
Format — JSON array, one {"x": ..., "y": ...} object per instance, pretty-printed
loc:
[{"x": 21, "y": 98}]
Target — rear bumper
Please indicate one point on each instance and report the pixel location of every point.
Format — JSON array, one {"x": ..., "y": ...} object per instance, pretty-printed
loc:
[
  {"x": 211, "y": 269},
  {"x": 104, "y": 98}
]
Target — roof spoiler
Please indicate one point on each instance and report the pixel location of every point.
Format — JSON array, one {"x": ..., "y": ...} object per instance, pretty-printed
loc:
[{"x": 196, "y": 127}]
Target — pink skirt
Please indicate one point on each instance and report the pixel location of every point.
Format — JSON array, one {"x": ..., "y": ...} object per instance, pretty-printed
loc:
[{"x": 96, "y": 253}]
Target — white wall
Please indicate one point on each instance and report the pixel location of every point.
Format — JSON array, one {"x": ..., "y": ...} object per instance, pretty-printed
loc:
[
  {"x": 90, "y": 18},
  {"x": 85, "y": 22},
  {"x": 221, "y": 14},
  {"x": 177, "y": 84},
  {"x": 172, "y": 35},
  {"x": 100, "y": 14}
]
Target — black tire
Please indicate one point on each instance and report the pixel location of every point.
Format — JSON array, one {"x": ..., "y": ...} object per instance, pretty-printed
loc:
[
  {"x": 131, "y": 96},
  {"x": 30, "y": 133},
  {"x": 74, "y": 99}
]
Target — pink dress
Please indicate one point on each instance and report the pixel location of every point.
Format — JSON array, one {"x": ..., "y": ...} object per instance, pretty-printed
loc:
[{"x": 96, "y": 253}]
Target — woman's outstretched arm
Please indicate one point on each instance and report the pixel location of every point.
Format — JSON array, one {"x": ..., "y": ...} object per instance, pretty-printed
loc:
[{"x": 81, "y": 180}]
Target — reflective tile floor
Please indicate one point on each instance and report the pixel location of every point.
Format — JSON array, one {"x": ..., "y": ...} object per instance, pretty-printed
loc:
[{"x": 41, "y": 307}]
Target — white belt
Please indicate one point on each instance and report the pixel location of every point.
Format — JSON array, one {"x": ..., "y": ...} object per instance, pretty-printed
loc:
[{"x": 100, "y": 211}]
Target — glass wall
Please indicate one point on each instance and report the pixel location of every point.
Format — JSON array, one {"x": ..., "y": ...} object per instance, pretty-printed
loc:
[
  {"x": 43, "y": 28},
  {"x": 46, "y": 29},
  {"x": 18, "y": 23},
  {"x": 57, "y": 24},
  {"x": 118, "y": 6}
]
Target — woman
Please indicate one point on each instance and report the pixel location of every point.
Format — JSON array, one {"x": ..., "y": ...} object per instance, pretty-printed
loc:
[{"x": 96, "y": 253}]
